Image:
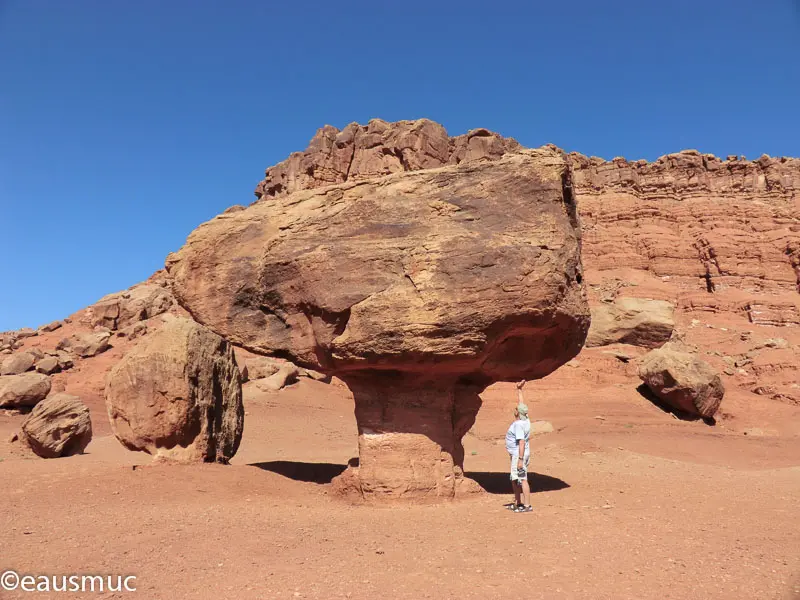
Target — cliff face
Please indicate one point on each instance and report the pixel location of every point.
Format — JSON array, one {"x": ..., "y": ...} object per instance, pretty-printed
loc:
[{"x": 724, "y": 234}]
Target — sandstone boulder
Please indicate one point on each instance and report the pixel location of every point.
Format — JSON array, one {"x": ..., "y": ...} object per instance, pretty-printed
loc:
[
  {"x": 417, "y": 289},
  {"x": 177, "y": 395},
  {"x": 51, "y": 326},
  {"x": 281, "y": 378},
  {"x": 261, "y": 367},
  {"x": 634, "y": 321},
  {"x": 24, "y": 390},
  {"x": 120, "y": 310},
  {"x": 86, "y": 345},
  {"x": 17, "y": 363},
  {"x": 48, "y": 365},
  {"x": 58, "y": 426},
  {"x": 683, "y": 381}
]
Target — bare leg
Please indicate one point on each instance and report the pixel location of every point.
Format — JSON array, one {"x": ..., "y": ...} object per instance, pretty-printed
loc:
[
  {"x": 526, "y": 492},
  {"x": 517, "y": 492}
]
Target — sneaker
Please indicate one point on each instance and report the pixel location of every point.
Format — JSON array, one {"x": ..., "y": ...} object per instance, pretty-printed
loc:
[{"x": 521, "y": 508}]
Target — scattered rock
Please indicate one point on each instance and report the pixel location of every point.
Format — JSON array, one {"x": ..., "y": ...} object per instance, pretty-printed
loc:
[
  {"x": 133, "y": 331},
  {"x": 287, "y": 374},
  {"x": 51, "y": 326},
  {"x": 683, "y": 381},
  {"x": 25, "y": 332},
  {"x": 24, "y": 390},
  {"x": 634, "y": 321},
  {"x": 261, "y": 367},
  {"x": 177, "y": 395},
  {"x": 777, "y": 343},
  {"x": 58, "y": 426},
  {"x": 17, "y": 363},
  {"x": 48, "y": 365},
  {"x": 86, "y": 345},
  {"x": 117, "y": 311}
]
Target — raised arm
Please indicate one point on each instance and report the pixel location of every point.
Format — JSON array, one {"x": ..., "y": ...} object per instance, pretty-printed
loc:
[{"x": 520, "y": 385}]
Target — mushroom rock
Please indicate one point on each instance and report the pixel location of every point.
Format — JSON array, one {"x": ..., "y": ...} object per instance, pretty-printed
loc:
[{"x": 417, "y": 289}]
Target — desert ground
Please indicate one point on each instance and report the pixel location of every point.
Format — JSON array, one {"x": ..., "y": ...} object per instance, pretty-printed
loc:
[{"x": 629, "y": 502}]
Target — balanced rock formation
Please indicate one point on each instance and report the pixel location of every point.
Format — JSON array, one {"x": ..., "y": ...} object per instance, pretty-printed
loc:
[
  {"x": 683, "y": 381},
  {"x": 177, "y": 395},
  {"x": 417, "y": 289},
  {"x": 635, "y": 321},
  {"x": 24, "y": 390},
  {"x": 58, "y": 426}
]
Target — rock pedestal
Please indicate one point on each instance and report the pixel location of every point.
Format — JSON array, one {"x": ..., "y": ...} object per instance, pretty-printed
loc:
[{"x": 409, "y": 436}]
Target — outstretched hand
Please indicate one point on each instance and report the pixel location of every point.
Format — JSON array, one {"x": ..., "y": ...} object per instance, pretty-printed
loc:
[{"x": 521, "y": 384}]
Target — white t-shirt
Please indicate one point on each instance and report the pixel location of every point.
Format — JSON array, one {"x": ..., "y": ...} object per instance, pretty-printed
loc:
[{"x": 519, "y": 430}]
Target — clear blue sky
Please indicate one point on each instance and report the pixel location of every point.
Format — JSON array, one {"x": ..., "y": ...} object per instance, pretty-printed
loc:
[{"x": 123, "y": 125}]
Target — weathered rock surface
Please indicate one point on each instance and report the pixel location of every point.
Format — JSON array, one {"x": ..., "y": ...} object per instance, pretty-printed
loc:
[
  {"x": 86, "y": 345},
  {"x": 360, "y": 152},
  {"x": 683, "y": 381},
  {"x": 728, "y": 229},
  {"x": 635, "y": 321},
  {"x": 58, "y": 426},
  {"x": 261, "y": 367},
  {"x": 120, "y": 310},
  {"x": 24, "y": 390},
  {"x": 427, "y": 285},
  {"x": 17, "y": 363},
  {"x": 177, "y": 395}
]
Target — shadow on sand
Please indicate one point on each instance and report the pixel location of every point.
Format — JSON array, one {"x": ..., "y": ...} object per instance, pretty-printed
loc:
[
  {"x": 500, "y": 483},
  {"x": 323, "y": 473},
  {"x": 302, "y": 471}
]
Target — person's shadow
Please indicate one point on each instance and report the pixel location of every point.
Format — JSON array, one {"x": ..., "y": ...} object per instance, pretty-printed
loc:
[{"x": 500, "y": 483}]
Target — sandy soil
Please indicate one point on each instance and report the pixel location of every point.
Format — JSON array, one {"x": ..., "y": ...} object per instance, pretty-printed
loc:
[{"x": 629, "y": 503}]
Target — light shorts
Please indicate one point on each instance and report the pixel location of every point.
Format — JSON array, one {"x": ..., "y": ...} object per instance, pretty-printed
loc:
[{"x": 515, "y": 476}]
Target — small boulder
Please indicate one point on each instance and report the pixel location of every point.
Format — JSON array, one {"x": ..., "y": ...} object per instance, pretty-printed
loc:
[
  {"x": 122, "y": 309},
  {"x": 51, "y": 326},
  {"x": 58, "y": 426},
  {"x": 261, "y": 367},
  {"x": 24, "y": 390},
  {"x": 48, "y": 365},
  {"x": 177, "y": 395},
  {"x": 86, "y": 345},
  {"x": 683, "y": 381},
  {"x": 17, "y": 363},
  {"x": 540, "y": 427},
  {"x": 287, "y": 374},
  {"x": 635, "y": 321}
]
